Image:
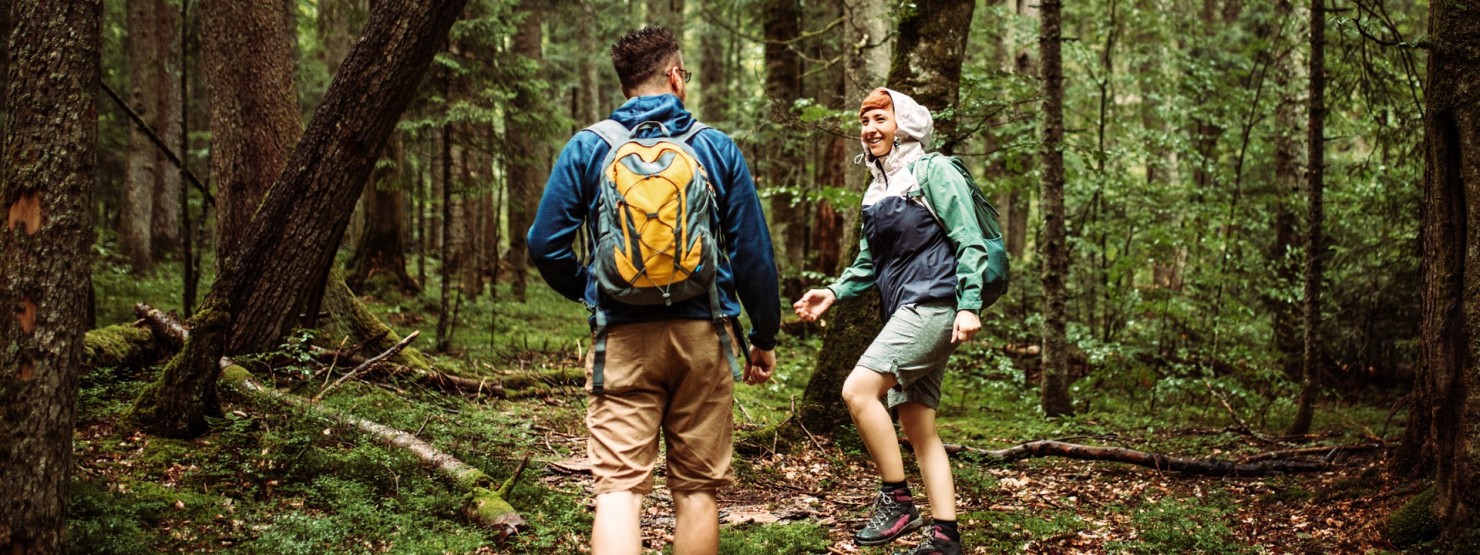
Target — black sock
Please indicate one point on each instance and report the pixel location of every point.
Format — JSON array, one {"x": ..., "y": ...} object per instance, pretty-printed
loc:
[
  {"x": 948, "y": 529},
  {"x": 891, "y": 487}
]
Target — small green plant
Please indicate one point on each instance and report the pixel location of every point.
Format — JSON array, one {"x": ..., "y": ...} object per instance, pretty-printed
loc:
[
  {"x": 799, "y": 539},
  {"x": 1181, "y": 526}
]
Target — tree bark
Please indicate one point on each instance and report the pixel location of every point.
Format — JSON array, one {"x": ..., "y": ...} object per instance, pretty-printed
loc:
[
  {"x": 870, "y": 36},
  {"x": 46, "y": 185},
  {"x": 528, "y": 164},
  {"x": 1444, "y": 421},
  {"x": 1315, "y": 246},
  {"x": 782, "y": 26},
  {"x": 143, "y": 169},
  {"x": 1016, "y": 204},
  {"x": 167, "y": 97},
  {"x": 927, "y": 61},
  {"x": 380, "y": 251},
  {"x": 1055, "y": 398},
  {"x": 715, "y": 70},
  {"x": 292, "y": 239},
  {"x": 254, "y": 115}
]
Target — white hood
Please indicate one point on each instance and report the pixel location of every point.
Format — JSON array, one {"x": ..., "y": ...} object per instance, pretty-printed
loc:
[{"x": 916, "y": 130}]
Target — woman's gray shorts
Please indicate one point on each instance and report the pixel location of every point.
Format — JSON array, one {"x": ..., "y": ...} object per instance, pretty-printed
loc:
[{"x": 914, "y": 347}]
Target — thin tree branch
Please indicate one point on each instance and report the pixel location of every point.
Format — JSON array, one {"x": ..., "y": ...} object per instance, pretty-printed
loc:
[{"x": 158, "y": 143}]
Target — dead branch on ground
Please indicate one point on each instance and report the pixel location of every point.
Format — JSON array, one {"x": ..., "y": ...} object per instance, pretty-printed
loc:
[{"x": 1160, "y": 462}]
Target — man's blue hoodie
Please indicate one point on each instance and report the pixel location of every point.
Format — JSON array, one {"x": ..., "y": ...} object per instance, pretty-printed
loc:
[{"x": 570, "y": 195}]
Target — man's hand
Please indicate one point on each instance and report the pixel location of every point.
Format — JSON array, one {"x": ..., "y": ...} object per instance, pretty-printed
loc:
[
  {"x": 762, "y": 363},
  {"x": 812, "y": 304},
  {"x": 967, "y": 324}
]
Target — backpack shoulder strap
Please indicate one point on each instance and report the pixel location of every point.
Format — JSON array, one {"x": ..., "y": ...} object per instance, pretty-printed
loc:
[
  {"x": 692, "y": 132},
  {"x": 610, "y": 131}
]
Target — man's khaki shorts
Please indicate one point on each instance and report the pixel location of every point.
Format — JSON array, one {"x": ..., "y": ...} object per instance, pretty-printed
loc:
[{"x": 669, "y": 375}]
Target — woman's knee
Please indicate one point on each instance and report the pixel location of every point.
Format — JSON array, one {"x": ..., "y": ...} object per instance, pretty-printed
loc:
[
  {"x": 862, "y": 387},
  {"x": 918, "y": 423}
]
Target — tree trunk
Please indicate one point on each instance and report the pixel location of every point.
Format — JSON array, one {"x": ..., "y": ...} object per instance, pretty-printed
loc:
[
  {"x": 782, "y": 26},
  {"x": 1018, "y": 200},
  {"x": 46, "y": 186},
  {"x": 292, "y": 239},
  {"x": 1444, "y": 421},
  {"x": 870, "y": 45},
  {"x": 1285, "y": 325},
  {"x": 528, "y": 163},
  {"x": 1055, "y": 400},
  {"x": 715, "y": 70},
  {"x": 254, "y": 115},
  {"x": 165, "y": 219},
  {"x": 927, "y": 61},
  {"x": 1315, "y": 246},
  {"x": 136, "y": 209},
  {"x": 380, "y": 251}
]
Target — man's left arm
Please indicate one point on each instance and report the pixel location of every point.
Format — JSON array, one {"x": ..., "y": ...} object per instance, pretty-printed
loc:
[{"x": 752, "y": 256}]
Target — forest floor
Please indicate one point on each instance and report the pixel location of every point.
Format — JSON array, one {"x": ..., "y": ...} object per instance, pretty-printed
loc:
[{"x": 268, "y": 480}]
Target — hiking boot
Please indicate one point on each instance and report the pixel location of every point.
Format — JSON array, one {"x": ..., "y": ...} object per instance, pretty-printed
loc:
[
  {"x": 894, "y": 515},
  {"x": 935, "y": 543}
]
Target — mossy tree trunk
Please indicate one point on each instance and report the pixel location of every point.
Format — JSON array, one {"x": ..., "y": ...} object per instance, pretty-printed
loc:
[
  {"x": 927, "y": 60},
  {"x": 292, "y": 237},
  {"x": 1443, "y": 432},
  {"x": 850, "y": 330},
  {"x": 46, "y": 186}
]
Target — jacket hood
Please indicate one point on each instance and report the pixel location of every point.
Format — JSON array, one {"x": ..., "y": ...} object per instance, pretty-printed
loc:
[
  {"x": 916, "y": 128},
  {"x": 666, "y": 109}
]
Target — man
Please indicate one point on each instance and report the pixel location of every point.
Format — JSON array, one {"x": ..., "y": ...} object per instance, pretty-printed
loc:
[{"x": 663, "y": 368}]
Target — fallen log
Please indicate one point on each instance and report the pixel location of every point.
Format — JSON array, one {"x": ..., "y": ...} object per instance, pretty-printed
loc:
[
  {"x": 119, "y": 345},
  {"x": 166, "y": 327},
  {"x": 1160, "y": 462},
  {"x": 485, "y": 506},
  {"x": 1326, "y": 452}
]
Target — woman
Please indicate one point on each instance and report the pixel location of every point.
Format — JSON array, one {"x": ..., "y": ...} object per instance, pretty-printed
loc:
[{"x": 923, "y": 250}]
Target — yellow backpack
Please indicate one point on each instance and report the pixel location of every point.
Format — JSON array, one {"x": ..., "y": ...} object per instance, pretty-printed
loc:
[{"x": 658, "y": 238}]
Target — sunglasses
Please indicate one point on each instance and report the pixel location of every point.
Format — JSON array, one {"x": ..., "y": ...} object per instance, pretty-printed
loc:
[{"x": 684, "y": 73}]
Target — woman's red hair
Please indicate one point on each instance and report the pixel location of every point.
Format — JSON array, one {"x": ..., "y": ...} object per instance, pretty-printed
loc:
[{"x": 877, "y": 100}]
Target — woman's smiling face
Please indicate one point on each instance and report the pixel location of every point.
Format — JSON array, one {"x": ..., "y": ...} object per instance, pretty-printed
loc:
[{"x": 878, "y": 131}]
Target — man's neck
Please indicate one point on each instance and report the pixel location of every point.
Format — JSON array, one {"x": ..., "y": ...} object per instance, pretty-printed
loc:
[{"x": 649, "y": 91}]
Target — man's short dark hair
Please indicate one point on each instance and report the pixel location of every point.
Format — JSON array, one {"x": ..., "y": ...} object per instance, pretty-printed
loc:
[{"x": 640, "y": 55}]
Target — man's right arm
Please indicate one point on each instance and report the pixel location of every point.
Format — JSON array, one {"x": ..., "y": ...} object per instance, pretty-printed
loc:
[{"x": 558, "y": 222}]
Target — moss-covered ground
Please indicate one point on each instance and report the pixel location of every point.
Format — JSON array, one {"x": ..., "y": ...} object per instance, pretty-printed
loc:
[{"x": 270, "y": 480}]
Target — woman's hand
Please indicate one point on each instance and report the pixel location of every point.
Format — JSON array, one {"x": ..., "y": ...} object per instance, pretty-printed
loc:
[
  {"x": 967, "y": 324},
  {"x": 812, "y": 304}
]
